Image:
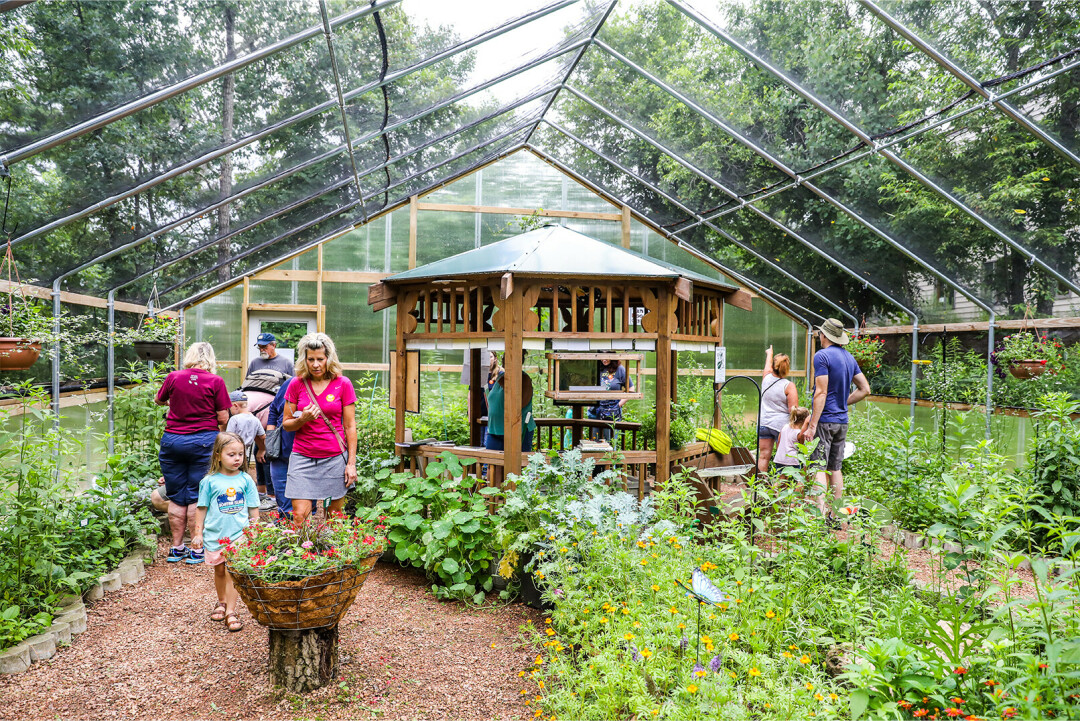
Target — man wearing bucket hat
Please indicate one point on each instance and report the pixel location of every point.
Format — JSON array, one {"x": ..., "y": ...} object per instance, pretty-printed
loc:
[{"x": 834, "y": 371}]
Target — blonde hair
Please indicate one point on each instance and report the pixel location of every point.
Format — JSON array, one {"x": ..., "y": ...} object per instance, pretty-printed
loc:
[
  {"x": 781, "y": 365},
  {"x": 222, "y": 440},
  {"x": 317, "y": 341},
  {"x": 201, "y": 355},
  {"x": 799, "y": 414}
]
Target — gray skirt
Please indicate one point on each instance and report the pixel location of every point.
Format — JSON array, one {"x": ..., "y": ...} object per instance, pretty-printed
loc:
[{"x": 315, "y": 478}]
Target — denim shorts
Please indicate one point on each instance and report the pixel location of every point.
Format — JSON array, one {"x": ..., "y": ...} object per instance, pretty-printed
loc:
[
  {"x": 766, "y": 432},
  {"x": 185, "y": 459}
]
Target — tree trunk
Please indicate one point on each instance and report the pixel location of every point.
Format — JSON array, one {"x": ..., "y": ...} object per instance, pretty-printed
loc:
[
  {"x": 225, "y": 178},
  {"x": 302, "y": 661}
]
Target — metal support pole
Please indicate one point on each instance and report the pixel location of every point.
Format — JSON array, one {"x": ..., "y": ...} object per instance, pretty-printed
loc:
[
  {"x": 989, "y": 374},
  {"x": 110, "y": 361},
  {"x": 56, "y": 352},
  {"x": 914, "y": 365},
  {"x": 329, "y": 34}
]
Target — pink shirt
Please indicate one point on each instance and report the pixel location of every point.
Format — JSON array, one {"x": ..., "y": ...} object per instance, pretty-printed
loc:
[
  {"x": 315, "y": 440},
  {"x": 785, "y": 447},
  {"x": 195, "y": 396}
]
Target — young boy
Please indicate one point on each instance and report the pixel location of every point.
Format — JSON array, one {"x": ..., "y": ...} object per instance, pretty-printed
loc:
[{"x": 248, "y": 427}]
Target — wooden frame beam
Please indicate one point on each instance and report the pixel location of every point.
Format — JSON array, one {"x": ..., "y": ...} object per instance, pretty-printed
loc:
[
  {"x": 976, "y": 326},
  {"x": 92, "y": 301},
  {"x": 541, "y": 212}
]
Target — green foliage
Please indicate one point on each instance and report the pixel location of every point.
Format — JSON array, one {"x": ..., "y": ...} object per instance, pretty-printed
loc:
[
  {"x": 440, "y": 523},
  {"x": 159, "y": 328},
  {"x": 54, "y": 540},
  {"x": 681, "y": 430},
  {"x": 138, "y": 426},
  {"x": 868, "y": 352},
  {"x": 1053, "y": 455}
]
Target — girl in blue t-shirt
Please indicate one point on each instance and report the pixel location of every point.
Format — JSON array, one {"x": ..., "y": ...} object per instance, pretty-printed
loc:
[{"x": 228, "y": 501}]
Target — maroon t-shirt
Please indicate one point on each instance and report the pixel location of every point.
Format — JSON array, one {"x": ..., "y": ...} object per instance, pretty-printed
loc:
[{"x": 195, "y": 396}]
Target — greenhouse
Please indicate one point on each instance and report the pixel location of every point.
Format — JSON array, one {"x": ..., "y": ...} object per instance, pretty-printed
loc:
[{"x": 550, "y": 358}]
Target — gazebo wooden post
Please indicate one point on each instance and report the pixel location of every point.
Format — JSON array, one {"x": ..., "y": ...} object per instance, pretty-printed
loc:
[
  {"x": 401, "y": 373},
  {"x": 512, "y": 390},
  {"x": 663, "y": 386}
]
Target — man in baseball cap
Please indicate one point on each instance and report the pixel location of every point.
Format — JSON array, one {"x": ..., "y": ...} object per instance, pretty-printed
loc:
[
  {"x": 834, "y": 372},
  {"x": 268, "y": 356}
]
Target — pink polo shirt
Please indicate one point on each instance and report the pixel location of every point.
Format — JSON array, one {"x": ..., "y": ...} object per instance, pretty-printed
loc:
[
  {"x": 195, "y": 396},
  {"x": 315, "y": 440}
]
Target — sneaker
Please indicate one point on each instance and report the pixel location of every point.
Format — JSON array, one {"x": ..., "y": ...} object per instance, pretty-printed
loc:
[
  {"x": 177, "y": 555},
  {"x": 267, "y": 503},
  {"x": 194, "y": 557}
]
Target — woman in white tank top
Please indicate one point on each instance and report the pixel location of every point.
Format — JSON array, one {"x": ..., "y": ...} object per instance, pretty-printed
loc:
[{"x": 778, "y": 397}]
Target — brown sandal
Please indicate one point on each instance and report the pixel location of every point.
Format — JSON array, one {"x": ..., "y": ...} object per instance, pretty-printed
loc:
[
  {"x": 233, "y": 622},
  {"x": 218, "y": 614}
]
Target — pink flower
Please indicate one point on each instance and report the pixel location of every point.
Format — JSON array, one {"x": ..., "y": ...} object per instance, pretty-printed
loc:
[{"x": 306, "y": 544}]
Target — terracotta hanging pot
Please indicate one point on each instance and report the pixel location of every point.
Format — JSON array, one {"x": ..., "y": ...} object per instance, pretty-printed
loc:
[
  {"x": 153, "y": 350},
  {"x": 18, "y": 354},
  {"x": 1024, "y": 369}
]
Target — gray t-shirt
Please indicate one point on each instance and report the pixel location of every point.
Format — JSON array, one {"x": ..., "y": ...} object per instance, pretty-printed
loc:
[
  {"x": 277, "y": 363},
  {"x": 247, "y": 427}
]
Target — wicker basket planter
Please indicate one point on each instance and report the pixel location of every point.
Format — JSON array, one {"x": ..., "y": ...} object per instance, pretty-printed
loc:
[{"x": 304, "y": 603}]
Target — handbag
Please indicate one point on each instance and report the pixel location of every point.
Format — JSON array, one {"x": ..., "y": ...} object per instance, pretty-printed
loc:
[
  {"x": 314, "y": 399},
  {"x": 273, "y": 444}
]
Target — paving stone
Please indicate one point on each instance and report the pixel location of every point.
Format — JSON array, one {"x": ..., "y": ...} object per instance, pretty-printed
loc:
[
  {"x": 62, "y": 631},
  {"x": 76, "y": 620},
  {"x": 80, "y": 606},
  {"x": 69, "y": 599},
  {"x": 42, "y": 646},
  {"x": 110, "y": 582},
  {"x": 128, "y": 573},
  {"x": 95, "y": 593},
  {"x": 16, "y": 659}
]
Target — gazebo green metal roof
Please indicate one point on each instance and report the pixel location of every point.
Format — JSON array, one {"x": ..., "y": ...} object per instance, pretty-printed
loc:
[{"x": 553, "y": 250}]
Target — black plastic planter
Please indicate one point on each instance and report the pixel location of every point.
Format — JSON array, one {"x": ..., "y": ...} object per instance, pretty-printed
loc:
[
  {"x": 532, "y": 594},
  {"x": 153, "y": 350}
]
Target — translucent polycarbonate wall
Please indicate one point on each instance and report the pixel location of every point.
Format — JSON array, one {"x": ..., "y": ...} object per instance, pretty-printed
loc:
[{"x": 521, "y": 183}]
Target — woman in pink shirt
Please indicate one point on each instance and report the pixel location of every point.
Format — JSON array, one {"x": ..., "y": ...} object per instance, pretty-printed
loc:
[
  {"x": 198, "y": 409},
  {"x": 323, "y": 460}
]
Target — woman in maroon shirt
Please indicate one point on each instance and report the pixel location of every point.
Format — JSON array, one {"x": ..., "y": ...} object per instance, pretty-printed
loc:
[{"x": 198, "y": 410}]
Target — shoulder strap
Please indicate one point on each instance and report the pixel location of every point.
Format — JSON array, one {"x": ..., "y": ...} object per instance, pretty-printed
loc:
[{"x": 314, "y": 399}]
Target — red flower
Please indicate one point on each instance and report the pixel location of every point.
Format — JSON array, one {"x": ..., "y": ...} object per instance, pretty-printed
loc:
[
  {"x": 960, "y": 671},
  {"x": 957, "y": 701},
  {"x": 990, "y": 682},
  {"x": 1043, "y": 665},
  {"x": 1009, "y": 712},
  {"x": 953, "y": 712},
  {"x": 920, "y": 713},
  {"x": 905, "y": 705}
]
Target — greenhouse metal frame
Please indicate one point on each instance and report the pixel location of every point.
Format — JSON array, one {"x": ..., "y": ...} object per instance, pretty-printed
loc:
[{"x": 364, "y": 184}]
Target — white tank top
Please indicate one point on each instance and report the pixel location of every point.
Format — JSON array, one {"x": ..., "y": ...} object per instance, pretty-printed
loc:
[{"x": 774, "y": 408}]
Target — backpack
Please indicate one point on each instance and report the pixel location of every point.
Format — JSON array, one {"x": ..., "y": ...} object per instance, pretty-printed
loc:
[{"x": 266, "y": 380}]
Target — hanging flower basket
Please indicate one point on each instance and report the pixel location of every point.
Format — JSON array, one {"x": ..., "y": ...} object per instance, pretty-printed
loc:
[
  {"x": 308, "y": 602},
  {"x": 18, "y": 354},
  {"x": 1029, "y": 368},
  {"x": 152, "y": 350},
  {"x": 295, "y": 578}
]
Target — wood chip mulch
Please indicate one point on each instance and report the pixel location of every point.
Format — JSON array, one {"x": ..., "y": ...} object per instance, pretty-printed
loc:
[{"x": 152, "y": 652}]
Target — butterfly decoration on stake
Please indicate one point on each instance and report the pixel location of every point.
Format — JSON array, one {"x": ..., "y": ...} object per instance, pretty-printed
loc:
[{"x": 702, "y": 590}]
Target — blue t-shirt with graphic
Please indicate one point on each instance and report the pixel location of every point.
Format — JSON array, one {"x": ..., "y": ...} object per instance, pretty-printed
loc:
[
  {"x": 226, "y": 500},
  {"x": 841, "y": 367}
]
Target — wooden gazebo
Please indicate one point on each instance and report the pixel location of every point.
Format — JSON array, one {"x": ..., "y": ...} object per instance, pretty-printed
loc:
[{"x": 558, "y": 290}]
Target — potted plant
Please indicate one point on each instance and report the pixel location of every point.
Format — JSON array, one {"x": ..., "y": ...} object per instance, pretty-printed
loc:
[
  {"x": 154, "y": 338},
  {"x": 867, "y": 352},
  {"x": 27, "y": 326},
  {"x": 1028, "y": 355}
]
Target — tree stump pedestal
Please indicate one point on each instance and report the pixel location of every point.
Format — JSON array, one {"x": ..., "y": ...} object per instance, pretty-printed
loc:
[{"x": 302, "y": 661}]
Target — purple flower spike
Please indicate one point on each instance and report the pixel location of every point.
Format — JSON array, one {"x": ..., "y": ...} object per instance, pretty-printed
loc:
[
  {"x": 684, "y": 643},
  {"x": 714, "y": 664},
  {"x": 634, "y": 653},
  {"x": 558, "y": 593}
]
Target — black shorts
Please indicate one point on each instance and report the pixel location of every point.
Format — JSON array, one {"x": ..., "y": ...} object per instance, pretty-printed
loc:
[{"x": 830, "y": 448}]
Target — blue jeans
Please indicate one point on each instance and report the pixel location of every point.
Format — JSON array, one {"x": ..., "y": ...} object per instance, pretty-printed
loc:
[
  {"x": 185, "y": 460},
  {"x": 495, "y": 443},
  {"x": 279, "y": 473}
]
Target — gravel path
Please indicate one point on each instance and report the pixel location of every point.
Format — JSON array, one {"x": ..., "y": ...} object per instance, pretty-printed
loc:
[{"x": 151, "y": 652}]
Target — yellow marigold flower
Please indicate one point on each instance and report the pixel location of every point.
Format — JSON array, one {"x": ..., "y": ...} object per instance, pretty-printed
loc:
[
  {"x": 808, "y": 686},
  {"x": 551, "y": 538},
  {"x": 819, "y": 697},
  {"x": 804, "y": 660},
  {"x": 682, "y": 626},
  {"x": 750, "y": 590},
  {"x": 626, "y": 611},
  {"x": 641, "y": 544},
  {"x": 644, "y": 562},
  {"x": 833, "y": 697},
  {"x": 645, "y": 653},
  {"x": 770, "y": 614},
  {"x": 692, "y": 688},
  {"x": 791, "y": 648},
  {"x": 754, "y": 672},
  {"x": 603, "y": 619},
  {"x": 700, "y": 674},
  {"x": 788, "y": 654},
  {"x": 654, "y": 555},
  {"x": 731, "y": 673},
  {"x": 712, "y": 616},
  {"x": 655, "y": 712},
  {"x": 738, "y": 583},
  {"x": 540, "y": 576},
  {"x": 540, "y": 684},
  {"x": 673, "y": 610},
  {"x": 539, "y": 660},
  {"x": 523, "y": 692},
  {"x": 538, "y": 713},
  {"x": 733, "y": 636},
  {"x": 574, "y": 544},
  {"x": 564, "y": 549},
  {"x": 706, "y": 639},
  {"x": 637, "y": 624},
  {"x": 628, "y": 636},
  {"x": 550, "y": 631},
  {"x": 738, "y": 601},
  {"x": 520, "y": 674},
  {"x": 655, "y": 588},
  {"x": 585, "y": 610},
  {"x": 547, "y": 621}
]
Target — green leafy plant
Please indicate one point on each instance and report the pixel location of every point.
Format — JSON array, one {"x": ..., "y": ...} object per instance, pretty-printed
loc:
[
  {"x": 157, "y": 328},
  {"x": 1053, "y": 454},
  {"x": 439, "y": 522},
  {"x": 868, "y": 352}
]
